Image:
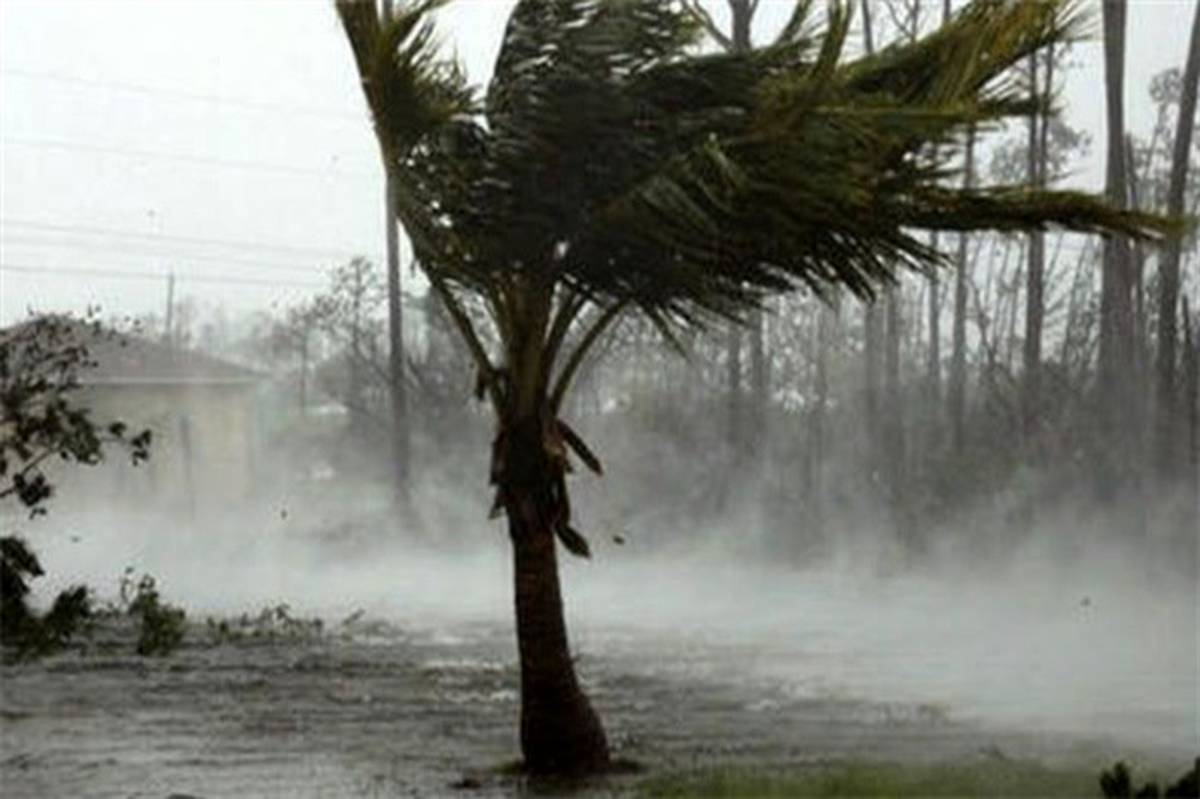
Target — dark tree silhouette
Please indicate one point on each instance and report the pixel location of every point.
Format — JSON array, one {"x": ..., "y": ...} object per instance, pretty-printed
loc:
[{"x": 40, "y": 421}]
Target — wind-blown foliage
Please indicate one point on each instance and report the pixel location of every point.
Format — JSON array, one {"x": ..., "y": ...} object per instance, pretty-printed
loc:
[{"x": 611, "y": 164}]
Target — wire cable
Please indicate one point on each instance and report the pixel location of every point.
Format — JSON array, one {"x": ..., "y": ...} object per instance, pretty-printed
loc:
[
  {"x": 216, "y": 242},
  {"x": 177, "y": 94},
  {"x": 128, "y": 274},
  {"x": 197, "y": 160},
  {"x": 172, "y": 257}
]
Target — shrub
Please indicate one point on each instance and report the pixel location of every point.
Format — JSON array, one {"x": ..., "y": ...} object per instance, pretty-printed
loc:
[
  {"x": 162, "y": 626},
  {"x": 22, "y": 632}
]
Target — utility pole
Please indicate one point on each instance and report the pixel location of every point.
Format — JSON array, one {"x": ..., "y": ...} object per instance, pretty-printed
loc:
[
  {"x": 355, "y": 392},
  {"x": 400, "y": 433},
  {"x": 169, "y": 324}
]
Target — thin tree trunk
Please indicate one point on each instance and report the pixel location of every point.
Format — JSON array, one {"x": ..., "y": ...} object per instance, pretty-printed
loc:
[
  {"x": 1139, "y": 347},
  {"x": 1191, "y": 390},
  {"x": 1035, "y": 273},
  {"x": 826, "y": 323},
  {"x": 1013, "y": 292},
  {"x": 1168, "y": 270},
  {"x": 355, "y": 392},
  {"x": 872, "y": 350},
  {"x": 933, "y": 364},
  {"x": 396, "y": 387},
  {"x": 758, "y": 380},
  {"x": 304, "y": 373},
  {"x": 560, "y": 732},
  {"x": 734, "y": 380},
  {"x": 1075, "y": 300},
  {"x": 399, "y": 399},
  {"x": 872, "y": 323},
  {"x": 741, "y": 13},
  {"x": 895, "y": 452},
  {"x": 958, "y": 356},
  {"x": 1116, "y": 311}
]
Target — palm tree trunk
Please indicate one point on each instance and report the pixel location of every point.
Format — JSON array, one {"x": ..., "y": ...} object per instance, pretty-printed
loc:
[{"x": 560, "y": 732}]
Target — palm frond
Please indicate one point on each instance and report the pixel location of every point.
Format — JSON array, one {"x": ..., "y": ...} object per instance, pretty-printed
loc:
[
  {"x": 612, "y": 160},
  {"x": 411, "y": 91}
]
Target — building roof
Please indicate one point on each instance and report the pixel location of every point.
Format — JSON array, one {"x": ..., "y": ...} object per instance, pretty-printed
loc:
[{"x": 128, "y": 359}]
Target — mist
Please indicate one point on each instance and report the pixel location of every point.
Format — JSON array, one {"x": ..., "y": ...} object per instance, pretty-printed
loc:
[{"x": 703, "y": 438}]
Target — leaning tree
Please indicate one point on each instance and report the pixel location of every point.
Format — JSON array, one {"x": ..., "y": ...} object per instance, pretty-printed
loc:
[{"x": 611, "y": 167}]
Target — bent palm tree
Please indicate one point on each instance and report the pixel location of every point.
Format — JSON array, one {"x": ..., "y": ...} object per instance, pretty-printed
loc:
[{"x": 611, "y": 169}]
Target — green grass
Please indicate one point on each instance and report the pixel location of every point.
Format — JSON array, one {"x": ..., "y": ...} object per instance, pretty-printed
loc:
[{"x": 1000, "y": 779}]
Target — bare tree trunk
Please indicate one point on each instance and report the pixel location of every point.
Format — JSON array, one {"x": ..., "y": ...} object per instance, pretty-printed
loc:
[
  {"x": 355, "y": 392},
  {"x": 741, "y": 18},
  {"x": 1168, "y": 270},
  {"x": 1191, "y": 390},
  {"x": 1035, "y": 284},
  {"x": 396, "y": 387},
  {"x": 872, "y": 324},
  {"x": 734, "y": 372},
  {"x": 826, "y": 323},
  {"x": 933, "y": 361},
  {"x": 742, "y": 436},
  {"x": 872, "y": 360},
  {"x": 1116, "y": 311},
  {"x": 1139, "y": 398},
  {"x": 758, "y": 379},
  {"x": 958, "y": 356},
  {"x": 868, "y": 30},
  {"x": 894, "y": 450},
  {"x": 304, "y": 373}
]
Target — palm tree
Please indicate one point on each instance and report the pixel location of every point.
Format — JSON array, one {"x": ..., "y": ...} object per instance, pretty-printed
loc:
[{"x": 610, "y": 168}]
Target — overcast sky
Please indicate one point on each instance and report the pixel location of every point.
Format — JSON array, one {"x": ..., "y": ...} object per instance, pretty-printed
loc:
[{"x": 227, "y": 140}]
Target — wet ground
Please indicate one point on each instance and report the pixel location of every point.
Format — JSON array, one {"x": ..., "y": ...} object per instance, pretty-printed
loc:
[
  {"x": 691, "y": 666},
  {"x": 409, "y": 712}
]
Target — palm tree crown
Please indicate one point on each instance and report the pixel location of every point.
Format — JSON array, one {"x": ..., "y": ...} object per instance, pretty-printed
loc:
[{"x": 610, "y": 165}]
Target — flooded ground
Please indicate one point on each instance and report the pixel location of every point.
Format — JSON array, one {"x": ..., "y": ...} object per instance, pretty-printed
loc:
[{"x": 690, "y": 666}]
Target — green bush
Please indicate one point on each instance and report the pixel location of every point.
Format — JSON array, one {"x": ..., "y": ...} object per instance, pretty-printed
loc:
[
  {"x": 272, "y": 623},
  {"x": 162, "y": 626},
  {"x": 22, "y": 632}
]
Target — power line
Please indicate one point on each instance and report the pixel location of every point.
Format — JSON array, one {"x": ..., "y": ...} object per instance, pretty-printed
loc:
[
  {"x": 199, "y": 160},
  {"x": 129, "y": 234},
  {"x": 92, "y": 246},
  {"x": 128, "y": 274},
  {"x": 177, "y": 94}
]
